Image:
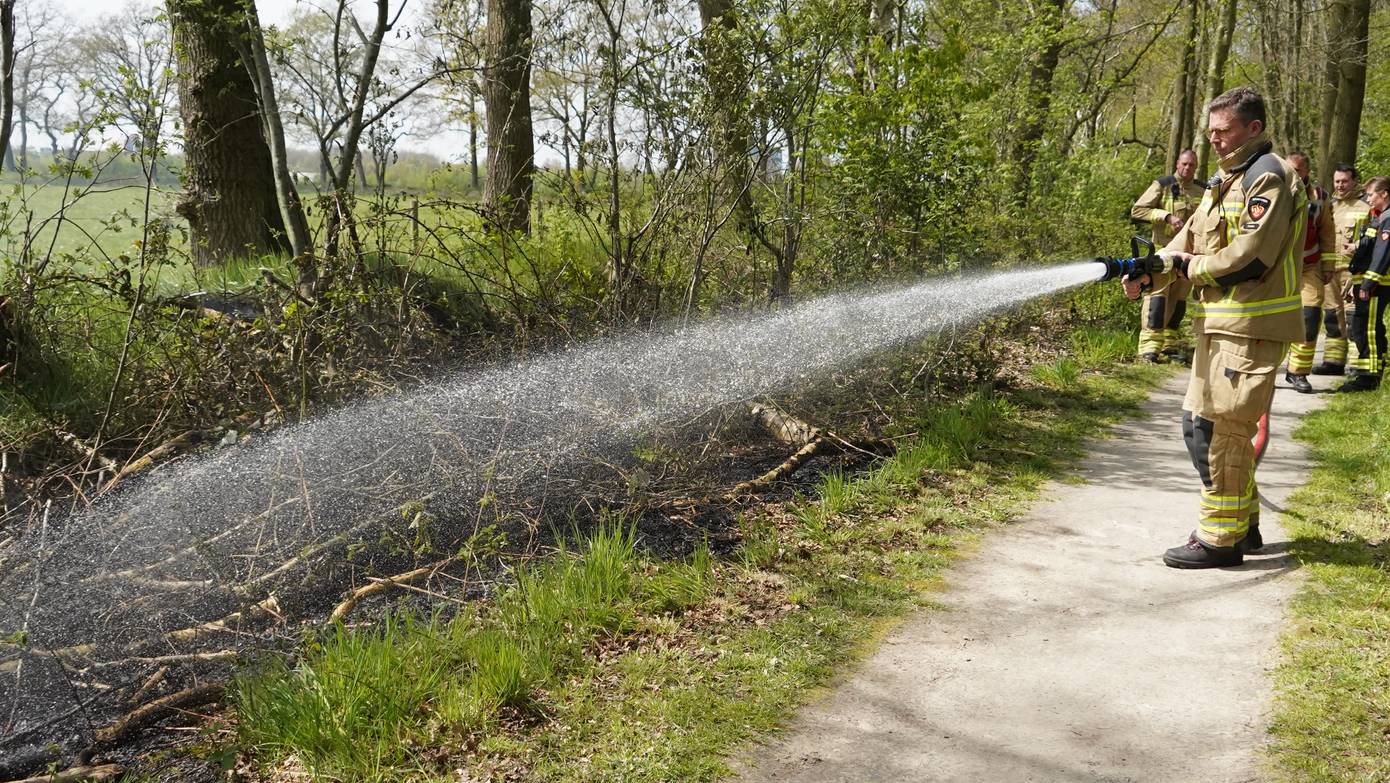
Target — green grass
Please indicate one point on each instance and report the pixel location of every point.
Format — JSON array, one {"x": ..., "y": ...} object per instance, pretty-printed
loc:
[
  {"x": 1102, "y": 347},
  {"x": 1332, "y": 718},
  {"x": 106, "y": 216},
  {"x": 602, "y": 665},
  {"x": 363, "y": 703}
]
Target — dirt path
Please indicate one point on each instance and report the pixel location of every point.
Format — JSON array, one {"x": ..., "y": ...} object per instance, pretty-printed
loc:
[{"x": 1068, "y": 651}]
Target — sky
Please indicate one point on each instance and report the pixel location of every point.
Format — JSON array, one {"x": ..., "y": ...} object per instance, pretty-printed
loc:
[
  {"x": 446, "y": 145},
  {"x": 271, "y": 11}
]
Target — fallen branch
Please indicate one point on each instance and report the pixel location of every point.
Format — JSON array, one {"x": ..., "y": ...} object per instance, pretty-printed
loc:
[
  {"x": 78, "y": 774},
  {"x": 315, "y": 550},
  {"x": 155, "y": 711},
  {"x": 148, "y": 687},
  {"x": 178, "y": 443},
  {"x": 267, "y": 609},
  {"x": 784, "y": 427},
  {"x": 202, "y": 657},
  {"x": 813, "y": 441},
  {"x": 788, "y": 467},
  {"x": 382, "y": 585},
  {"x": 85, "y": 450}
]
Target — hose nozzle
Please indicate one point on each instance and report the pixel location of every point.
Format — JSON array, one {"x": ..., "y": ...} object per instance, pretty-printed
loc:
[{"x": 1143, "y": 261}]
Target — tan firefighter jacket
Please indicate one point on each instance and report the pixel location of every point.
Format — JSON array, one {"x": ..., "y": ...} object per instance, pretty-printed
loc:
[
  {"x": 1247, "y": 243},
  {"x": 1350, "y": 217},
  {"x": 1167, "y": 196}
]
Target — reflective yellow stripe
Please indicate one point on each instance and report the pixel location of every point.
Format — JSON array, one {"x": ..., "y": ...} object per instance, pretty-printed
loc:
[
  {"x": 1228, "y": 501},
  {"x": 1267, "y": 307},
  {"x": 1376, "y": 276},
  {"x": 1374, "y": 361},
  {"x": 1220, "y": 523}
]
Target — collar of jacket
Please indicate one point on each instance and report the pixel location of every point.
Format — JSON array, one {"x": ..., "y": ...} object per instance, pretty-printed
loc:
[
  {"x": 1359, "y": 195},
  {"x": 1241, "y": 157}
]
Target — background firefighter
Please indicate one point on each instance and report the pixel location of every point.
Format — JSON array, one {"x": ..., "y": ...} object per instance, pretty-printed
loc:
[
  {"x": 1319, "y": 234},
  {"x": 1166, "y": 206},
  {"x": 1242, "y": 251},
  {"x": 1350, "y": 214},
  {"x": 1370, "y": 265}
]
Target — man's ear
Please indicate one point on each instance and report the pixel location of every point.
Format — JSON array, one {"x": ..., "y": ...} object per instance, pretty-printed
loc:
[{"x": 1257, "y": 126}]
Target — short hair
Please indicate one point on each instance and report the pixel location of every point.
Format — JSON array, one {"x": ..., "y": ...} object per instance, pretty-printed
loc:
[
  {"x": 1347, "y": 168},
  {"x": 1186, "y": 151},
  {"x": 1245, "y": 102},
  {"x": 1378, "y": 184},
  {"x": 1300, "y": 154}
]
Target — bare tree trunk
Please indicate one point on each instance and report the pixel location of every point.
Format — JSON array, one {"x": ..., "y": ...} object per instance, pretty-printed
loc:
[
  {"x": 22, "y": 155},
  {"x": 230, "y": 197},
  {"x": 7, "y": 30},
  {"x": 473, "y": 139},
  {"x": 355, "y": 123},
  {"x": 1049, "y": 17},
  {"x": 1182, "y": 115},
  {"x": 1351, "y": 83},
  {"x": 1295, "y": 86},
  {"x": 1334, "y": 30},
  {"x": 1194, "y": 84},
  {"x": 1216, "y": 74},
  {"x": 507, "y": 101},
  {"x": 286, "y": 194}
]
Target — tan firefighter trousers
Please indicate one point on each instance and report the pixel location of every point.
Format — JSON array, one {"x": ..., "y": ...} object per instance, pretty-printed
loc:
[{"x": 1232, "y": 386}]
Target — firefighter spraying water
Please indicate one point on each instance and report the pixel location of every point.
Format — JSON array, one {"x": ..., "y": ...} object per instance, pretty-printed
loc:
[{"x": 1241, "y": 251}]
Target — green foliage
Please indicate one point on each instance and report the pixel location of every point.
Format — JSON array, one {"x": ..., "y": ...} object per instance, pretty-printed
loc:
[{"x": 909, "y": 166}]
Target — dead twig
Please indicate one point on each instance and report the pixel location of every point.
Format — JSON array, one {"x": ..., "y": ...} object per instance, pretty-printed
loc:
[
  {"x": 178, "y": 443},
  {"x": 813, "y": 441}
]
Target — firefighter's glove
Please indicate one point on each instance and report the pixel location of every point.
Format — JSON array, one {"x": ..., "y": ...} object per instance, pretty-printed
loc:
[
  {"x": 1175, "y": 261},
  {"x": 1368, "y": 289}
]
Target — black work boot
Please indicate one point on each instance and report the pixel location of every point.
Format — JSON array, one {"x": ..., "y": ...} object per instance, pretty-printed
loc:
[
  {"x": 1150, "y": 357},
  {"x": 1330, "y": 368},
  {"x": 1299, "y": 383},
  {"x": 1195, "y": 554},
  {"x": 1361, "y": 382},
  {"x": 1253, "y": 541}
]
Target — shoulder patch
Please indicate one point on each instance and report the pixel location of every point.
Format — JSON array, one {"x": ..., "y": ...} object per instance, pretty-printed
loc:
[
  {"x": 1268, "y": 163},
  {"x": 1258, "y": 207},
  {"x": 1167, "y": 179}
]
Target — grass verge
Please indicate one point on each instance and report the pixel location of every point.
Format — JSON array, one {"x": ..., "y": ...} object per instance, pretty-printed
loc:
[
  {"x": 1332, "y": 716},
  {"x": 654, "y": 671}
]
